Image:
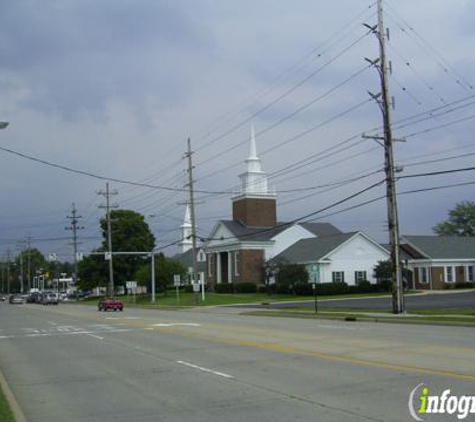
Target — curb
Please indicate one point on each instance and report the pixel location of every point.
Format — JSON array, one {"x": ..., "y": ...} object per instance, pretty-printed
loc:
[{"x": 16, "y": 410}]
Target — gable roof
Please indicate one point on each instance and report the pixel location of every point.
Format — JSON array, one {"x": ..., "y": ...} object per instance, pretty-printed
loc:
[
  {"x": 312, "y": 249},
  {"x": 186, "y": 258},
  {"x": 252, "y": 233},
  {"x": 321, "y": 229},
  {"x": 442, "y": 247},
  {"x": 264, "y": 234}
]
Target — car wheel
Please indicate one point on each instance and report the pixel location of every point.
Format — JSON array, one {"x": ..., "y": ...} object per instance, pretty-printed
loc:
[{"x": 121, "y": 309}]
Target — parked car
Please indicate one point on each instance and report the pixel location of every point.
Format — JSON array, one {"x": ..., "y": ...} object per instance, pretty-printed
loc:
[
  {"x": 50, "y": 299},
  {"x": 114, "y": 304},
  {"x": 34, "y": 297},
  {"x": 16, "y": 300}
]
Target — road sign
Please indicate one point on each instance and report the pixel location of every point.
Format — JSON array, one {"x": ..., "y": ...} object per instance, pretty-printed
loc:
[
  {"x": 53, "y": 257},
  {"x": 177, "y": 280},
  {"x": 108, "y": 256},
  {"x": 196, "y": 287},
  {"x": 131, "y": 284},
  {"x": 79, "y": 256}
]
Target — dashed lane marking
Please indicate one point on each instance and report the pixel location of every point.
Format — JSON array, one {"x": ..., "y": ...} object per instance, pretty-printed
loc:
[{"x": 201, "y": 368}]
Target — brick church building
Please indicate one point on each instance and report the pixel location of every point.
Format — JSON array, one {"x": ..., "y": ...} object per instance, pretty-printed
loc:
[{"x": 238, "y": 249}]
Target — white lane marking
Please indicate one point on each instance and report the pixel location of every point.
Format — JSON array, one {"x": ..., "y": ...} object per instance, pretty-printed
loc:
[
  {"x": 93, "y": 335},
  {"x": 60, "y": 333},
  {"x": 177, "y": 324},
  {"x": 335, "y": 327},
  {"x": 121, "y": 318},
  {"x": 210, "y": 371}
]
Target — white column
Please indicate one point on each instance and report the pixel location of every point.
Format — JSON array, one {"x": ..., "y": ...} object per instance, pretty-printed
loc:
[
  {"x": 230, "y": 267},
  {"x": 218, "y": 268}
]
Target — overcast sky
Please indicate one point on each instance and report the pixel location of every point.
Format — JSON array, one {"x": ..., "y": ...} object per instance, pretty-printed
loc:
[{"x": 114, "y": 88}]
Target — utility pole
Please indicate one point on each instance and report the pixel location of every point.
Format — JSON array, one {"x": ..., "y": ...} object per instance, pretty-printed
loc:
[
  {"x": 74, "y": 227},
  {"x": 8, "y": 271},
  {"x": 28, "y": 268},
  {"x": 384, "y": 104},
  {"x": 108, "y": 206},
  {"x": 188, "y": 155}
]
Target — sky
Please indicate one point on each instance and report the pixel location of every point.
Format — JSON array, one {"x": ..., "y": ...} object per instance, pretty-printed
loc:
[{"x": 110, "y": 90}]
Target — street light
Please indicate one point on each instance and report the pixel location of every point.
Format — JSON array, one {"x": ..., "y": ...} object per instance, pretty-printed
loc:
[{"x": 3, "y": 125}]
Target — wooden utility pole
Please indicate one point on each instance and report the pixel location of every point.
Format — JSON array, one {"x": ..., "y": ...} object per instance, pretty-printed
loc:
[
  {"x": 195, "y": 274},
  {"x": 74, "y": 227},
  {"x": 107, "y": 194},
  {"x": 393, "y": 224}
]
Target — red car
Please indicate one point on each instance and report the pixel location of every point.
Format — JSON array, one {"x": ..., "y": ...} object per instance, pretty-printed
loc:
[{"x": 106, "y": 304}]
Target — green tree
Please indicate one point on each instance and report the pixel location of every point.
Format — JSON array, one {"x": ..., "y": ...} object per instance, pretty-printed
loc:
[
  {"x": 461, "y": 221},
  {"x": 382, "y": 273},
  {"x": 130, "y": 233},
  {"x": 291, "y": 278}
]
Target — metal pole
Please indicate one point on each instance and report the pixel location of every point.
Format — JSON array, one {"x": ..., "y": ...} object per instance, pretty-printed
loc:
[
  {"x": 153, "y": 276},
  {"x": 396, "y": 276},
  {"x": 109, "y": 243}
]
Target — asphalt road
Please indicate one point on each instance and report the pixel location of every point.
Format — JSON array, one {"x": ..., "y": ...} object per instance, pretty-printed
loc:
[
  {"x": 71, "y": 363},
  {"x": 463, "y": 300}
]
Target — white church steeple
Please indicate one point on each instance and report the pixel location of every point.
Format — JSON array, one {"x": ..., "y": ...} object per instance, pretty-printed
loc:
[
  {"x": 254, "y": 180},
  {"x": 186, "y": 241},
  {"x": 254, "y": 204}
]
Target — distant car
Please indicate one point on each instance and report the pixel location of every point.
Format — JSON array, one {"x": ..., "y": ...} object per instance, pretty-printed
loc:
[
  {"x": 34, "y": 297},
  {"x": 16, "y": 300},
  {"x": 106, "y": 304},
  {"x": 50, "y": 299}
]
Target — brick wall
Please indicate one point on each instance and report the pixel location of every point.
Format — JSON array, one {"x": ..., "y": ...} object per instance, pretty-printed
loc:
[
  {"x": 255, "y": 212},
  {"x": 250, "y": 265}
]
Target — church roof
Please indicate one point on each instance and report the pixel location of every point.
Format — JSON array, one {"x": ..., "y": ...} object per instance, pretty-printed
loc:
[
  {"x": 252, "y": 233},
  {"x": 186, "y": 259},
  {"x": 312, "y": 249},
  {"x": 258, "y": 234}
]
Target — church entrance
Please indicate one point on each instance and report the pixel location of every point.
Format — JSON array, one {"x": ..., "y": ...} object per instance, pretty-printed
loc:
[{"x": 224, "y": 264}]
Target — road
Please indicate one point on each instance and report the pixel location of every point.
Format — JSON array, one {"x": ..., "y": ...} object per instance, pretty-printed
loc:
[
  {"x": 450, "y": 300},
  {"x": 72, "y": 363}
]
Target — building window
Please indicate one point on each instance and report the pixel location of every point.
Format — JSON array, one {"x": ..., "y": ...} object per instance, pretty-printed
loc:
[
  {"x": 469, "y": 273},
  {"x": 236, "y": 268},
  {"x": 423, "y": 275},
  {"x": 449, "y": 274},
  {"x": 360, "y": 276},
  {"x": 338, "y": 276}
]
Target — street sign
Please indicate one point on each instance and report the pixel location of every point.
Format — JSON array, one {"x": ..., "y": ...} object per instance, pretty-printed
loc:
[
  {"x": 177, "y": 280},
  {"x": 53, "y": 257},
  {"x": 131, "y": 284},
  {"x": 79, "y": 256},
  {"x": 196, "y": 287},
  {"x": 107, "y": 256}
]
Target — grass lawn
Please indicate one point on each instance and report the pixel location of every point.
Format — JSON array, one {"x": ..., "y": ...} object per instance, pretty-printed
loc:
[
  {"x": 6, "y": 414},
  {"x": 213, "y": 299}
]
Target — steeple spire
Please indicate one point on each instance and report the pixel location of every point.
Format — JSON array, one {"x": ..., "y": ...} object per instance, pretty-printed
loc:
[
  {"x": 186, "y": 241},
  {"x": 253, "y": 149}
]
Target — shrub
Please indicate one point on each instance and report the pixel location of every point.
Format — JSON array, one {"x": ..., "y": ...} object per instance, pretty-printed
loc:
[
  {"x": 223, "y": 288},
  {"x": 332, "y": 288},
  {"x": 364, "y": 287},
  {"x": 245, "y": 287},
  {"x": 466, "y": 285}
]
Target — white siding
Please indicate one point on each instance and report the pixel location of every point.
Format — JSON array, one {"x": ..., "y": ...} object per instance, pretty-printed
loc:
[
  {"x": 287, "y": 238},
  {"x": 358, "y": 254}
]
